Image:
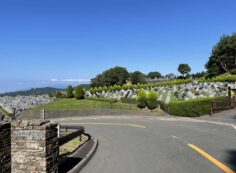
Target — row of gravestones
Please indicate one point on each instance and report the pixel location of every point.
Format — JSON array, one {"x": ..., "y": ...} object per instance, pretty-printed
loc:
[{"x": 29, "y": 146}]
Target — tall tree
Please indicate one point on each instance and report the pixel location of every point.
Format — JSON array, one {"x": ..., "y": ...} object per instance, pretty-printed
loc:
[
  {"x": 113, "y": 76},
  {"x": 184, "y": 69},
  {"x": 98, "y": 81},
  {"x": 154, "y": 74},
  {"x": 223, "y": 56},
  {"x": 137, "y": 77},
  {"x": 69, "y": 92}
]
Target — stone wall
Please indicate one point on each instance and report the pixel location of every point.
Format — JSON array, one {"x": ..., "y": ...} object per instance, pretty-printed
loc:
[
  {"x": 50, "y": 114},
  {"x": 5, "y": 148},
  {"x": 34, "y": 147}
]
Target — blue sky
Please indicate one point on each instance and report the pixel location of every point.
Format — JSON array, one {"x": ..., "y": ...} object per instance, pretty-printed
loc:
[{"x": 57, "y": 42}]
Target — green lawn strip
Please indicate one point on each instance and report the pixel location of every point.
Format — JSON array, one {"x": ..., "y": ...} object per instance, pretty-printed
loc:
[
  {"x": 70, "y": 146},
  {"x": 73, "y": 104},
  {"x": 3, "y": 111}
]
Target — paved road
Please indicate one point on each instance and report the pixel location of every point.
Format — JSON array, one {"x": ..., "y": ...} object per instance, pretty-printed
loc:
[{"x": 160, "y": 145}]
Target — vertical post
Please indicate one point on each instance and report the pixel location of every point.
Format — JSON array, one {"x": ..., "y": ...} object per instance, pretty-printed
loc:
[
  {"x": 229, "y": 91},
  {"x": 229, "y": 95},
  {"x": 233, "y": 101},
  {"x": 43, "y": 116},
  {"x": 58, "y": 131},
  {"x": 14, "y": 113},
  {"x": 212, "y": 107}
]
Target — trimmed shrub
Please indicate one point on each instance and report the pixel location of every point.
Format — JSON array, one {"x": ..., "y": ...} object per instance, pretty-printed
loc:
[
  {"x": 141, "y": 99},
  {"x": 128, "y": 100},
  {"x": 79, "y": 92},
  {"x": 152, "y": 100},
  {"x": 69, "y": 92},
  {"x": 105, "y": 88},
  {"x": 227, "y": 77},
  {"x": 191, "y": 108}
]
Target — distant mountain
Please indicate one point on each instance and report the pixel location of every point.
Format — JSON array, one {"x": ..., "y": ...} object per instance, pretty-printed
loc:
[
  {"x": 33, "y": 91},
  {"x": 38, "y": 91}
]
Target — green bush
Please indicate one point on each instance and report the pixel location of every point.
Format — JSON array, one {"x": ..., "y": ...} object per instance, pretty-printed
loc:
[
  {"x": 69, "y": 92},
  {"x": 227, "y": 77},
  {"x": 233, "y": 71},
  {"x": 141, "y": 99},
  {"x": 58, "y": 94},
  {"x": 128, "y": 100},
  {"x": 191, "y": 108},
  {"x": 79, "y": 92},
  {"x": 152, "y": 100}
]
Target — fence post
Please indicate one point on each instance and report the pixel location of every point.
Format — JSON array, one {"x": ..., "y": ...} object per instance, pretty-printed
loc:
[
  {"x": 43, "y": 115},
  {"x": 233, "y": 101},
  {"x": 59, "y": 131},
  {"x": 212, "y": 107}
]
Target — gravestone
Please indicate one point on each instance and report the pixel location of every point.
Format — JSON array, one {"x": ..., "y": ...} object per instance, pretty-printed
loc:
[{"x": 34, "y": 146}]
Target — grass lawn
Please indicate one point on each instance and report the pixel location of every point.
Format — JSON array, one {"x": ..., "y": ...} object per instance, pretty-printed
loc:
[
  {"x": 73, "y": 104},
  {"x": 70, "y": 146},
  {"x": 3, "y": 111}
]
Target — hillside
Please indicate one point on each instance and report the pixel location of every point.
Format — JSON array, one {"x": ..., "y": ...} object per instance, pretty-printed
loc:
[
  {"x": 38, "y": 91},
  {"x": 33, "y": 91}
]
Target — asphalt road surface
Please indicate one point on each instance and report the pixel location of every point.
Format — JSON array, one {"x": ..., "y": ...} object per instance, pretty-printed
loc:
[{"x": 160, "y": 145}]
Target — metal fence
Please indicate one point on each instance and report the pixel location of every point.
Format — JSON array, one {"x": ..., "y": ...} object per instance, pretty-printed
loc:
[
  {"x": 78, "y": 131},
  {"x": 224, "y": 104}
]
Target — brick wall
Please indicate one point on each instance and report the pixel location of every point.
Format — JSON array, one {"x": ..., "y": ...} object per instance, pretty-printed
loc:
[
  {"x": 34, "y": 147},
  {"x": 5, "y": 148}
]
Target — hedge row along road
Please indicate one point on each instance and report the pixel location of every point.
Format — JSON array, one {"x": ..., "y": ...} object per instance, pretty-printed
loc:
[{"x": 160, "y": 144}]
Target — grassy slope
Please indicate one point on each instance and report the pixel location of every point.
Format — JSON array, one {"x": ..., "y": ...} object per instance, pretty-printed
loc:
[
  {"x": 73, "y": 104},
  {"x": 3, "y": 111}
]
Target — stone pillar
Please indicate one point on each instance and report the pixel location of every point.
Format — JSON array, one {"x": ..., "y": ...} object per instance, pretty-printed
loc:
[
  {"x": 34, "y": 147},
  {"x": 5, "y": 148}
]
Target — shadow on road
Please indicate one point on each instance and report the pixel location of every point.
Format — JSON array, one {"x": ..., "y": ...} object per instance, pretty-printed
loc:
[
  {"x": 69, "y": 164},
  {"x": 231, "y": 159}
]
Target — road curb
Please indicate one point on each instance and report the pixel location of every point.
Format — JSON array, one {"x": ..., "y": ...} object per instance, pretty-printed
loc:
[{"x": 85, "y": 160}]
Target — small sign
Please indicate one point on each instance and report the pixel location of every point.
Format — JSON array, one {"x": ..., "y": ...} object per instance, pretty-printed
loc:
[{"x": 32, "y": 134}]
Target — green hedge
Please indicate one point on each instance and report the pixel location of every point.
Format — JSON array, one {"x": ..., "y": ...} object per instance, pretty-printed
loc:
[
  {"x": 128, "y": 100},
  {"x": 102, "y": 99},
  {"x": 191, "y": 108},
  {"x": 227, "y": 77},
  {"x": 139, "y": 86}
]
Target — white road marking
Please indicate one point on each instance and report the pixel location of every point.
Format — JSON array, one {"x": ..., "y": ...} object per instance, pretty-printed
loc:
[
  {"x": 180, "y": 139},
  {"x": 182, "y": 119}
]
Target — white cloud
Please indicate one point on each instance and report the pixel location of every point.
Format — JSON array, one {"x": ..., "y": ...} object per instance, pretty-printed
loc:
[{"x": 54, "y": 80}]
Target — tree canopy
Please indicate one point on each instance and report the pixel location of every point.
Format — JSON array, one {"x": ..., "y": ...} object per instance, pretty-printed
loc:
[
  {"x": 184, "y": 69},
  {"x": 154, "y": 74},
  {"x": 113, "y": 76},
  {"x": 223, "y": 56},
  {"x": 137, "y": 77}
]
